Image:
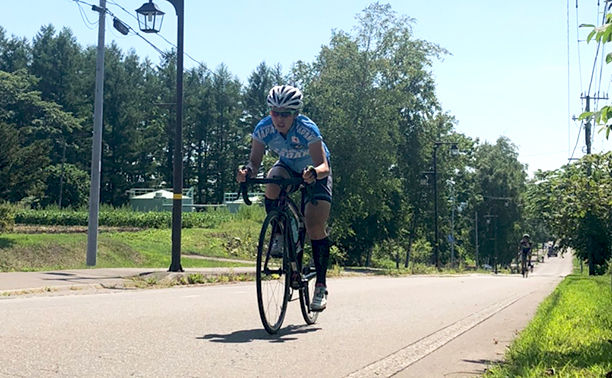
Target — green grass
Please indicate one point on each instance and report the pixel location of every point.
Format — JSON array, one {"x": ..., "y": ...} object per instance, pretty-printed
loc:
[
  {"x": 570, "y": 335},
  {"x": 226, "y": 235},
  {"x": 148, "y": 248}
]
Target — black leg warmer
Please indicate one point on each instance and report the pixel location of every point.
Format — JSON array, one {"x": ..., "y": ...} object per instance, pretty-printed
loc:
[{"x": 320, "y": 250}]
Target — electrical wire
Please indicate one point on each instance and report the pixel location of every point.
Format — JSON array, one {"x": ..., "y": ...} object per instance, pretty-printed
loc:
[
  {"x": 545, "y": 153},
  {"x": 85, "y": 19},
  {"x": 602, "y": 62},
  {"x": 122, "y": 8},
  {"x": 166, "y": 40},
  {"x": 577, "y": 140},
  {"x": 568, "y": 78},
  {"x": 578, "y": 48},
  {"x": 160, "y": 51}
]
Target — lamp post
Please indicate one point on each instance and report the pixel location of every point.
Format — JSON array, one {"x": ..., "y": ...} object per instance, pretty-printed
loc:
[
  {"x": 150, "y": 19},
  {"x": 494, "y": 240},
  {"x": 451, "y": 183},
  {"x": 454, "y": 151}
]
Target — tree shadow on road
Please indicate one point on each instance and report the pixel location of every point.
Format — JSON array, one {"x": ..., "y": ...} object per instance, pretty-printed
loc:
[{"x": 288, "y": 333}]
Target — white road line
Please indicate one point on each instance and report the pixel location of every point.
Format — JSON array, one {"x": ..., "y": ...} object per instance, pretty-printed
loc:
[{"x": 400, "y": 360}]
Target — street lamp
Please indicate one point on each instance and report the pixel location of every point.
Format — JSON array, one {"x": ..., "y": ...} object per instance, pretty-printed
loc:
[
  {"x": 495, "y": 238},
  {"x": 451, "y": 183},
  {"x": 150, "y": 19},
  {"x": 454, "y": 152}
]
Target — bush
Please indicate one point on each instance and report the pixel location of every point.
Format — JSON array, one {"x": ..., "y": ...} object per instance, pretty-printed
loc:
[
  {"x": 122, "y": 217},
  {"x": 7, "y": 217},
  {"x": 385, "y": 254},
  {"x": 421, "y": 252}
]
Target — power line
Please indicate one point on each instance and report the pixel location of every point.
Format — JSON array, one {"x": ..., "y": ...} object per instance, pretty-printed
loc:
[
  {"x": 130, "y": 29},
  {"x": 93, "y": 6},
  {"x": 577, "y": 140},
  {"x": 85, "y": 19},
  {"x": 203, "y": 65},
  {"x": 568, "y": 78},
  {"x": 545, "y": 153},
  {"x": 578, "y": 48}
]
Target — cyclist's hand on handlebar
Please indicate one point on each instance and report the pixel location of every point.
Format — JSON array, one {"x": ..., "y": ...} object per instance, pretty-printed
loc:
[
  {"x": 309, "y": 175},
  {"x": 242, "y": 173}
]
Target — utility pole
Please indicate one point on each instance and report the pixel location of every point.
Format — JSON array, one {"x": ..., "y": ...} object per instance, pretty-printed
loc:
[
  {"x": 587, "y": 136},
  {"x": 96, "y": 151},
  {"x": 452, "y": 234},
  {"x": 494, "y": 239},
  {"x": 476, "y": 234}
]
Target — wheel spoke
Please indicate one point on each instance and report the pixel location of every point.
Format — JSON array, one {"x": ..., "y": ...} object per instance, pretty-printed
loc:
[{"x": 272, "y": 288}]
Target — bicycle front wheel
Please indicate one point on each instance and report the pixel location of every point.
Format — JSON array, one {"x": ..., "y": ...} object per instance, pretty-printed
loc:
[
  {"x": 307, "y": 293},
  {"x": 272, "y": 278}
]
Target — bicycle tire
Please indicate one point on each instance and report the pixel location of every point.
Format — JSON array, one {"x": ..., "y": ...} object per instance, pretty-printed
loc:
[
  {"x": 272, "y": 279},
  {"x": 307, "y": 294},
  {"x": 524, "y": 266}
]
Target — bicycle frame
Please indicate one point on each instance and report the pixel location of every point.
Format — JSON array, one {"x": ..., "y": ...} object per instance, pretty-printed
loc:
[
  {"x": 286, "y": 207},
  {"x": 300, "y": 275}
]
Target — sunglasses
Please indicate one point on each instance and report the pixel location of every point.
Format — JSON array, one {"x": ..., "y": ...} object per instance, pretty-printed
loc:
[{"x": 285, "y": 114}]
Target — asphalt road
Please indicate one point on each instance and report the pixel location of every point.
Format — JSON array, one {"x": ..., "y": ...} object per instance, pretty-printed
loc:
[{"x": 419, "y": 326}]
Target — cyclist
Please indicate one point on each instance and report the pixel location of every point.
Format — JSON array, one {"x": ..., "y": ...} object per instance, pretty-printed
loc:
[
  {"x": 525, "y": 246},
  {"x": 298, "y": 143}
]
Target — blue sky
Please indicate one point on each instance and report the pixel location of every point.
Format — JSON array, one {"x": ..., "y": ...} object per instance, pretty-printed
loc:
[{"x": 507, "y": 75}]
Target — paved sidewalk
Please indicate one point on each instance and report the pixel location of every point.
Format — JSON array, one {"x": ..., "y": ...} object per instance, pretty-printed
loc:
[{"x": 94, "y": 278}]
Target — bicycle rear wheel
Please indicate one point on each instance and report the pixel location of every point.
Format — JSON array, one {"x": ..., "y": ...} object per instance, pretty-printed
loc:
[
  {"x": 271, "y": 276},
  {"x": 307, "y": 293}
]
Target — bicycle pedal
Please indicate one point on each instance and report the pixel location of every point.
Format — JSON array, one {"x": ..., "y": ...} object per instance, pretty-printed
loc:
[{"x": 295, "y": 283}]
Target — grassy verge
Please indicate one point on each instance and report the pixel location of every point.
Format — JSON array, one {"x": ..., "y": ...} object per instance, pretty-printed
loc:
[
  {"x": 570, "y": 335},
  {"x": 148, "y": 248}
]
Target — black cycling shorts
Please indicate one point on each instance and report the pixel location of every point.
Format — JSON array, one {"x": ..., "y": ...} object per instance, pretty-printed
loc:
[{"x": 322, "y": 187}]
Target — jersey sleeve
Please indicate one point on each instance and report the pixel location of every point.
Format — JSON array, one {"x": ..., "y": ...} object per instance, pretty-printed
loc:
[
  {"x": 309, "y": 131},
  {"x": 262, "y": 131}
]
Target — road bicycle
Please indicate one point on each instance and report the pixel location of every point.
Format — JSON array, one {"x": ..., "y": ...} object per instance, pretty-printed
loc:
[
  {"x": 525, "y": 267},
  {"x": 279, "y": 275}
]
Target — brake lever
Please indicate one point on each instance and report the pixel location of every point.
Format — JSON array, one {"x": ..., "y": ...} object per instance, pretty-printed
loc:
[
  {"x": 310, "y": 191},
  {"x": 244, "y": 190}
]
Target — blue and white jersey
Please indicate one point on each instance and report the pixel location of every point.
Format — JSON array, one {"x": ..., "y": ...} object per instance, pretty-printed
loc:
[{"x": 292, "y": 150}]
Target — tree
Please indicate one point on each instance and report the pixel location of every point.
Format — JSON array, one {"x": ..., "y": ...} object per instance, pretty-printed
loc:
[
  {"x": 15, "y": 53},
  {"x": 226, "y": 155},
  {"x": 199, "y": 115},
  {"x": 67, "y": 182},
  {"x": 576, "y": 207},
  {"x": 602, "y": 34},
  {"x": 362, "y": 91},
  {"x": 124, "y": 164},
  {"x": 500, "y": 184},
  {"x": 28, "y": 124}
]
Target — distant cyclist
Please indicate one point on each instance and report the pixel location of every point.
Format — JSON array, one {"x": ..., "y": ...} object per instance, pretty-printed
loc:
[
  {"x": 302, "y": 153},
  {"x": 525, "y": 246}
]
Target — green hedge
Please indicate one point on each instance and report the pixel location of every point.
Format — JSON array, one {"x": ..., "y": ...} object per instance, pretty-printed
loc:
[{"x": 120, "y": 218}]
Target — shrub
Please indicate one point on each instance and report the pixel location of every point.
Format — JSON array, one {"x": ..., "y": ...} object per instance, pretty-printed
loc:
[
  {"x": 385, "y": 254},
  {"x": 421, "y": 252},
  {"x": 7, "y": 217},
  {"x": 121, "y": 217}
]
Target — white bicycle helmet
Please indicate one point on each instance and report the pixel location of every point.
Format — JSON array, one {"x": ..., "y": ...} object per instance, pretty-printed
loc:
[{"x": 285, "y": 97}]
